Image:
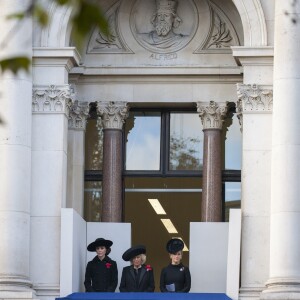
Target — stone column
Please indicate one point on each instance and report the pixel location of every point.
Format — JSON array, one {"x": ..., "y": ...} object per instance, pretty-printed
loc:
[
  {"x": 50, "y": 108},
  {"x": 212, "y": 115},
  {"x": 15, "y": 156},
  {"x": 76, "y": 146},
  {"x": 113, "y": 116},
  {"x": 254, "y": 110},
  {"x": 284, "y": 280}
]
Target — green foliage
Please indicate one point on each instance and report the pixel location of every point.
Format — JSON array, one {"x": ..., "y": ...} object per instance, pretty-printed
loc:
[
  {"x": 15, "y": 64},
  {"x": 87, "y": 16}
]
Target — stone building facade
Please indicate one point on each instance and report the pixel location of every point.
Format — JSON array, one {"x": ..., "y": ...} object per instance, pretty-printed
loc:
[{"x": 206, "y": 57}]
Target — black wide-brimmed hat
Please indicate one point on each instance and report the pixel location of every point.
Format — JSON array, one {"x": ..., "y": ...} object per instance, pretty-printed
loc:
[
  {"x": 98, "y": 243},
  {"x": 133, "y": 252},
  {"x": 174, "y": 245}
]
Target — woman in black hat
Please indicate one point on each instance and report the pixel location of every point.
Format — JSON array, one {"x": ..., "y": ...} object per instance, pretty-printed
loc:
[
  {"x": 137, "y": 277},
  {"x": 101, "y": 273},
  {"x": 175, "y": 277}
]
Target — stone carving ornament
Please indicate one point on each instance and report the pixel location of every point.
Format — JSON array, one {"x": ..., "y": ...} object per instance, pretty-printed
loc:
[
  {"x": 164, "y": 26},
  {"x": 212, "y": 114},
  {"x": 78, "y": 115},
  {"x": 52, "y": 99}
]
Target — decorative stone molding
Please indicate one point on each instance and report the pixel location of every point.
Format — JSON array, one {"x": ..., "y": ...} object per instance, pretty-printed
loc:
[
  {"x": 78, "y": 115},
  {"x": 52, "y": 99},
  {"x": 253, "y": 99},
  {"x": 113, "y": 114},
  {"x": 113, "y": 42},
  {"x": 212, "y": 114}
]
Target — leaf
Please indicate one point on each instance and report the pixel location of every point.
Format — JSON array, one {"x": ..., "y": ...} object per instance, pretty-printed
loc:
[
  {"x": 40, "y": 15},
  {"x": 88, "y": 16},
  {"x": 15, "y": 64},
  {"x": 19, "y": 15}
]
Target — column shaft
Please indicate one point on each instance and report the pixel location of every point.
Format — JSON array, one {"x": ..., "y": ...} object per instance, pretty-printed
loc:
[
  {"x": 113, "y": 117},
  {"x": 112, "y": 176},
  {"x": 212, "y": 115},
  {"x": 15, "y": 157},
  {"x": 211, "y": 207}
]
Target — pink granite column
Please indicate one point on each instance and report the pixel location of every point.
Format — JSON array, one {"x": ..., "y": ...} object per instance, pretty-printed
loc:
[
  {"x": 212, "y": 115},
  {"x": 113, "y": 117}
]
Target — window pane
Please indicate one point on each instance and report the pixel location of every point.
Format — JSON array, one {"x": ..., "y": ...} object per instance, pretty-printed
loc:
[
  {"x": 142, "y": 131},
  {"x": 94, "y": 145},
  {"x": 150, "y": 201},
  {"x": 232, "y": 197},
  {"x": 233, "y": 146},
  {"x": 92, "y": 201},
  {"x": 186, "y": 142}
]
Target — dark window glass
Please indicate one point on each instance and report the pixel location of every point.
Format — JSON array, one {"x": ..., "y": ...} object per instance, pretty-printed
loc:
[
  {"x": 92, "y": 201},
  {"x": 94, "y": 145}
]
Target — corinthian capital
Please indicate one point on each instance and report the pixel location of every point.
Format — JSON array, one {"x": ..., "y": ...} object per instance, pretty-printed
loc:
[
  {"x": 52, "y": 99},
  {"x": 78, "y": 115},
  {"x": 113, "y": 114},
  {"x": 254, "y": 98},
  {"x": 212, "y": 114}
]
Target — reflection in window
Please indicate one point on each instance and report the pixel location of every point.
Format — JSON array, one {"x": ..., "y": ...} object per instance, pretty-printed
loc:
[
  {"x": 94, "y": 145},
  {"x": 232, "y": 197},
  {"x": 186, "y": 142},
  {"x": 92, "y": 201},
  {"x": 142, "y": 131}
]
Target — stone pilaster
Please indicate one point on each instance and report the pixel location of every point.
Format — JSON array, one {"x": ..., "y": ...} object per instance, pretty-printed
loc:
[
  {"x": 51, "y": 106},
  {"x": 212, "y": 115},
  {"x": 15, "y": 156},
  {"x": 284, "y": 277},
  {"x": 76, "y": 145},
  {"x": 113, "y": 116},
  {"x": 254, "y": 110}
]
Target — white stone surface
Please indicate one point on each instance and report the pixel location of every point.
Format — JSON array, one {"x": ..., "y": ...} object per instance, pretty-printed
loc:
[
  {"x": 234, "y": 253},
  {"x": 208, "y": 257},
  {"x": 72, "y": 252},
  {"x": 75, "y": 180}
]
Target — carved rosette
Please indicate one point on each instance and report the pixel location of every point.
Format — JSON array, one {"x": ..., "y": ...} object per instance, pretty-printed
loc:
[
  {"x": 212, "y": 114},
  {"x": 52, "y": 99},
  {"x": 78, "y": 115},
  {"x": 113, "y": 114}
]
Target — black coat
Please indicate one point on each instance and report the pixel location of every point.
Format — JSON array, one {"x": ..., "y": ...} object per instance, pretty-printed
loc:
[
  {"x": 179, "y": 275},
  {"x": 101, "y": 275},
  {"x": 145, "y": 282}
]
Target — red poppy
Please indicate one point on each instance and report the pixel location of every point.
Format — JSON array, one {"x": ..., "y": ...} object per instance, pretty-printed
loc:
[
  {"x": 108, "y": 265},
  {"x": 148, "y": 268}
]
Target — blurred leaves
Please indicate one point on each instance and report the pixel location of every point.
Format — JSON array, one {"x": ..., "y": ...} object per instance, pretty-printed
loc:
[
  {"x": 87, "y": 15},
  {"x": 15, "y": 64}
]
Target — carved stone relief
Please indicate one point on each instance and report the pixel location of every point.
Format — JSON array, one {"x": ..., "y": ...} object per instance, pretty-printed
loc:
[
  {"x": 114, "y": 43},
  {"x": 163, "y": 26},
  {"x": 79, "y": 113},
  {"x": 253, "y": 99},
  {"x": 222, "y": 34},
  {"x": 212, "y": 114},
  {"x": 52, "y": 99}
]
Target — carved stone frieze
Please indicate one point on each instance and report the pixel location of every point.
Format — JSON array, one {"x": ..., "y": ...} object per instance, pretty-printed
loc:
[
  {"x": 52, "y": 99},
  {"x": 78, "y": 115},
  {"x": 164, "y": 26},
  {"x": 212, "y": 114},
  {"x": 113, "y": 42},
  {"x": 255, "y": 99},
  {"x": 222, "y": 34},
  {"x": 113, "y": 114}
]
